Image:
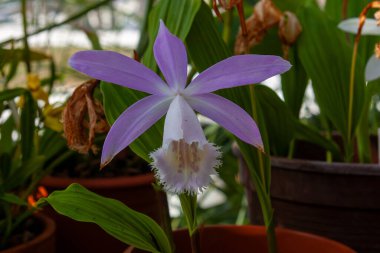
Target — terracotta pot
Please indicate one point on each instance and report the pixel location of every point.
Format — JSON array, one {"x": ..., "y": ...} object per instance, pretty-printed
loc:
[
  {"x": 336, "y": 200},
  {"x": 43, "y": 243},
  {"x": 248, "y": 239},
  {"x": 136, "y": 192}
]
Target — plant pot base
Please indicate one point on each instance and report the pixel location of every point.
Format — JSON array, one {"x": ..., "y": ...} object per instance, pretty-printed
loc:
[{"x": 248, "y": 239}]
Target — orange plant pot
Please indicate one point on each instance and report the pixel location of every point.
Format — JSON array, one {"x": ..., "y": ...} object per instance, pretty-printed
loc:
[
  {"x": 43, "y": 243},
  {"x": 249, "y": 239}
]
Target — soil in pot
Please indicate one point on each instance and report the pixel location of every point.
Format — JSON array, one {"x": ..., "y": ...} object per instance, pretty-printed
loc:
[
  {"x": 121, "y": 181},
  {"x": 37, "y": 235},
  {"x": 248, "y": 239}
]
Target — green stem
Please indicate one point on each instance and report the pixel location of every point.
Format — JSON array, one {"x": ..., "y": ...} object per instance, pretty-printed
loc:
[
  {"x": 189, "y": 205},
  {"x": 54, "y": 25},
  {"x": 227, "y": 21},
  {"x": 259, "y": 153},
  {"x": 195, "y": 242},
  {"x": 262, "y": 183},
  {"x": 291, "y": 149},
  {"x": 348, "y": 140},
  {"x": 25, "y": 38}
]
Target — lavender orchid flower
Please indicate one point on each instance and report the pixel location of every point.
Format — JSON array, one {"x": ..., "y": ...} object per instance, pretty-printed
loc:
[
  {"x": 186, "y": 160},
  {"x": 371, "y": 27}
]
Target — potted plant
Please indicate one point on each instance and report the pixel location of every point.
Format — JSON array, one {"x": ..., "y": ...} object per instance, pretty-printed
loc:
[
  {"x": 335, "y": 197},
  {"x": 23, "y": 164},
  {"x": 186, "y": 159}
]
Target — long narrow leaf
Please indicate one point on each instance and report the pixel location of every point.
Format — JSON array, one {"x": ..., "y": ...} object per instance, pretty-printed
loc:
[
  {"x": 326, "y": 56},
  {"x": 112, "y": 216},
  {"x": 27, "y": 128}
]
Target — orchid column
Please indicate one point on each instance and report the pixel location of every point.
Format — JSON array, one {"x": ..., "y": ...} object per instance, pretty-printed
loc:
[{"x": 185, "y": 162}]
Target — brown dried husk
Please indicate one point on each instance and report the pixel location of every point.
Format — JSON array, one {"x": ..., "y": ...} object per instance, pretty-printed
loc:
[
  {"x": 265, "y": 16},
  {"x": 83, "y": 116}
]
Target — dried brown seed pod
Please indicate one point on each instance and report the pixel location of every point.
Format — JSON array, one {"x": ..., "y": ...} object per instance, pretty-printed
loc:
[{"x": 83, "y": 116}]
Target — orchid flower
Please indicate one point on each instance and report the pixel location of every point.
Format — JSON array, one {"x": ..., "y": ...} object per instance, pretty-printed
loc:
[
  {"x": 371, "y": 27},
  {"x": 186, "y": 160}
]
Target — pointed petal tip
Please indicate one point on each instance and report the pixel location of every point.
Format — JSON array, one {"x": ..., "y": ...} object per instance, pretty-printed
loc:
[
  {"x": 162, "y": 27},
  {"x": 261, "y": 149},
  {"x": 105, "y": 163}
]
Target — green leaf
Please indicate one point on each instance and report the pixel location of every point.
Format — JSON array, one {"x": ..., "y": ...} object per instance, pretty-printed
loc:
[
  {"x": 22, "y": 173},
  {"x": 326, "y": 56},
  {"x": 178, "y": 17},
  {"x": 5, "y": 167},
  {"x": 11, "y": 94},
  {"x": 204, "y": 42},
  {"x": 6, "y": 142},
  {"x": 112, "y": 216},
  {"x": 8, "y": 55},
  {"x": 289, "y": 5},
  {"x": 27, "y": 131},
  {"x": 279, "y": 120},
  {"x": 51, "y": 144},
  {"x": 294, "y": 82},
  {"x": 13, "y": 199}
]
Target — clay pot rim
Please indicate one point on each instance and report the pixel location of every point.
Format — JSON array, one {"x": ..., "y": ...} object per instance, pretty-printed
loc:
[
  {"x": 48, "y": 232},
  {"x": 255, "y": 230},
  {"x": 100, "y": 183},
  {"x": 322, "y": 167}
]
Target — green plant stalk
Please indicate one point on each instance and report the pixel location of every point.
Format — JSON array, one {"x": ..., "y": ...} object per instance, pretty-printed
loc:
[
  {"x": 326, "y": 126},
  {"x": 259, "y": 153},
  {"x": 54, "y": 25},
  {"x": 348, "y": 139},
  {"x": 263, "y": 190},
  {"x": 227, "y": 22},
  {"x": 25, "y": 38},
  {"x": 189, "y": 206},
  {"x": 291, "y": 149}
]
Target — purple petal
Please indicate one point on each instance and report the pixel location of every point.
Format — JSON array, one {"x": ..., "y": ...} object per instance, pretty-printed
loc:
[
  {"x": 236, "y": 71},
  {"x": 132, "y": 123},
  {"x": 170, "y": 54},
  {"x": 119, "y": 69},
  {"x": 228, "y": 115}
]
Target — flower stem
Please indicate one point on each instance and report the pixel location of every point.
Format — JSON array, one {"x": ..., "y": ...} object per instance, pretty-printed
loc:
[
  {"x": 195, "y": 242},
  {"x": 262, "y": 183},
  {"x": 25, "y": 38},
  {"x": 189, "y": 205}
]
